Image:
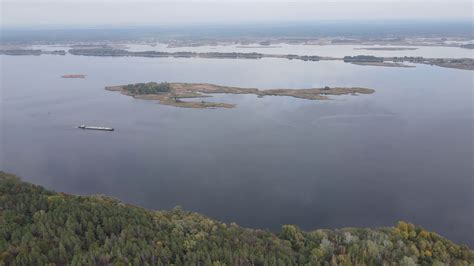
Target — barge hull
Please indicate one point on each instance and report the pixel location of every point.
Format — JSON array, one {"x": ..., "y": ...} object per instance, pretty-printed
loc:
[{"x": 96, "y": 128}]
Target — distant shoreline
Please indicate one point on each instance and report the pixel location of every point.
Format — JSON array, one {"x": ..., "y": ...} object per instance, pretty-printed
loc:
[{"x": 457, "y": 63}]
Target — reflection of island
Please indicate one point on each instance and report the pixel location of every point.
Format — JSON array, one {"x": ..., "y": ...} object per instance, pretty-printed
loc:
[
  {"x": 74, "y": 76},
  {"x": 387, "y": 48},
  {"x": 172, "y": 93}
]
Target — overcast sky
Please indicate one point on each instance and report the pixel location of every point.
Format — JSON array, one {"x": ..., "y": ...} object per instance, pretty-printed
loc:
[{"x": 15, "y": 13}]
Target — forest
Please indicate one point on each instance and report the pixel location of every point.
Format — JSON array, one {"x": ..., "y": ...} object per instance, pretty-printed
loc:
[
  {"x": 363, "y": 58},
  {"x": 148, "y": 88},
  {"x": 39, "y": 226}
]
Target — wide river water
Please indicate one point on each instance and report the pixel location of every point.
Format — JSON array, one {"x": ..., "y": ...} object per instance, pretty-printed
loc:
[{"x": 402, "y": 153}]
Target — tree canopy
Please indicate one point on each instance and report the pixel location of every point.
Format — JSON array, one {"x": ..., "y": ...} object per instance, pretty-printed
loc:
[
  {"x": 38, "y": 227},
  {"x": 148, "y": 88}
]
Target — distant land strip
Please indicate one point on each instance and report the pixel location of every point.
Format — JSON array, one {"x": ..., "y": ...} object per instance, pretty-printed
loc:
[{"x": 457, "y": 63}]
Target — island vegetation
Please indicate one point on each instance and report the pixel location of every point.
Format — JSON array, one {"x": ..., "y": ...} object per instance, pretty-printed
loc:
[
  {"x": 173, "y": 93},
  {"x": 363, "y": 58},
  {"x": 468, "y": 46},
  {"x": 458, "y": 63},
  {"x": 387, "y": 48},
  {"x": 369, "y": 60},
  {"x": 110, "y": 51},
  {"x": 42, "y": 227},
  {"x": 19, "y": 51},
  {"x": 73, "y": 76},
  {"x": 148, "y": 88}
]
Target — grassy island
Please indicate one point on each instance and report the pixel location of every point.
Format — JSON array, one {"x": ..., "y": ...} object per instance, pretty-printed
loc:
[
  {"x": 42, "y": 227},
  {"x": 173, "y": 93}
]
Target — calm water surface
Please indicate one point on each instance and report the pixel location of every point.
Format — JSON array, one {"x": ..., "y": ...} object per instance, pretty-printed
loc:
[{"x": 402, "y": 153}]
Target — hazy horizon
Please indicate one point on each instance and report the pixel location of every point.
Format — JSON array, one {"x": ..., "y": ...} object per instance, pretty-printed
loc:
[{"x": 130, "y": 13}]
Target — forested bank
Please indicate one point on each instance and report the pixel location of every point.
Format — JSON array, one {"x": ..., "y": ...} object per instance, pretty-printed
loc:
[{"x": 38, "y": 226}]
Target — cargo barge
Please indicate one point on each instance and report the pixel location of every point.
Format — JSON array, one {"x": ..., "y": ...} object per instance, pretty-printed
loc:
[{"x": 96, "y": 128}]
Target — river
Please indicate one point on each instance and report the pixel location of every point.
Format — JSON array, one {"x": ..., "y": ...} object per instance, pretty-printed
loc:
[{"x": 402, "y": 153}]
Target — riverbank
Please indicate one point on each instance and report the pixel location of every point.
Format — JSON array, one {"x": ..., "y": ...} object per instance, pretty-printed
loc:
[{"x": 40, "y": 227}]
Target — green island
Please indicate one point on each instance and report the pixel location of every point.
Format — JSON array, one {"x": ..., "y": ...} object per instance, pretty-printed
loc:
[
  {"x": 173, "y": 93},
  {"x": 42, "y": 227}
]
